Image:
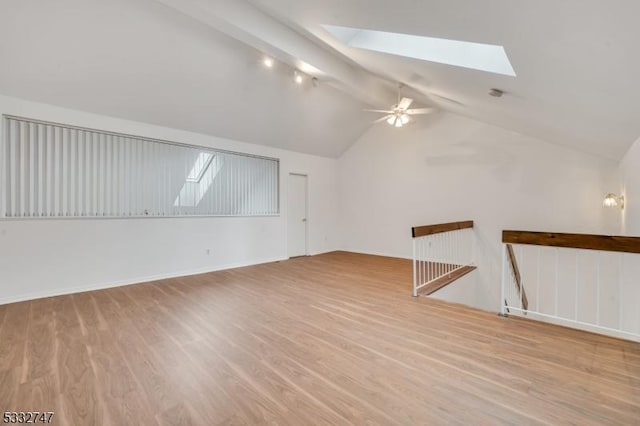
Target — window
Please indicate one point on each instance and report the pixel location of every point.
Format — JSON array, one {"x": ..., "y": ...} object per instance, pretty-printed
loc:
[
  {"x": 54, "y": 170},
  {"x": 477, "y": 56}
]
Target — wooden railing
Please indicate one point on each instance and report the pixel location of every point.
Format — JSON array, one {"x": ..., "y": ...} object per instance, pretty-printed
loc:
[
  {"x": 421, "y": 231},
  {"x": 576, "y": 241},
  {"x": 442, "y": 253},
  {"x": 584, "y": 281}
]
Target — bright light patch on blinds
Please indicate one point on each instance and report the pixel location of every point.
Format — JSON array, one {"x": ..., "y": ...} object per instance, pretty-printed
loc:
[
  {"x": 195, "y": 188},
  {"x": 478, "y": 56},
  {"x": 200, "y": 167},
  {"x": 50, "y": 170}
]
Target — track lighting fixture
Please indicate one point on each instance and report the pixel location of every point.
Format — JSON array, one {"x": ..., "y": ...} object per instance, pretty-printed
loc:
[{"x": 298, "y": 76}]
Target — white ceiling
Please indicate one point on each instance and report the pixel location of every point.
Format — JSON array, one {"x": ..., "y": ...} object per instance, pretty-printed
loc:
[
  {"x": 194, "y": 64},
  {"x": 139, "y": 60},
  {"x": 576, "y": 61}
]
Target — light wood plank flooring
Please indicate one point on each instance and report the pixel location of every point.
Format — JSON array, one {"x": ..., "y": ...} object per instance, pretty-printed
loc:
[{"x": 330, "y": 339}]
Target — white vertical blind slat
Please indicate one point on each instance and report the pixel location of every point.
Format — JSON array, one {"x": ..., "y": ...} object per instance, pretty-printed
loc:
[
  {"x": 133, "y": 177},
  {"x": 29, "y": 165},
  {"x": 48, "y": 171},
  {"x": 37, "y": 167},
  {"x": 108, "y": 173},
  {"x": 69, "y": 169},
  {"x": 137, "y": 168},
  {"x": 101, "y": 194},
  {"x": 4, "y": 211},
  {"x": 95, "y": 169},
  {"x": 21, "y": 170},
  {"x": 86, "y": 173},
  {"x": 116, "y": 177},
  {"x": 11, "y": 169},
  {"x": 30, "y": 168},
  {"x": 65, "y": 168},
  {"x": 57, "y": 173},
  {"x": 126, "y": 186},
  {"x": 78, "y": 177},
  {"x": 60, "y": 195}
]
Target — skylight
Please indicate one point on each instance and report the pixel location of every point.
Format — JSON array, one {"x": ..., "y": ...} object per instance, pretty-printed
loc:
[{"x": 477, "y": 56}]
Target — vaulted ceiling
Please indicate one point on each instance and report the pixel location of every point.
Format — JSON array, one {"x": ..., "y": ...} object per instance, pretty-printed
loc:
[
  {"x": 576, "y": 60},
  {"x": 195, "y": 64}
]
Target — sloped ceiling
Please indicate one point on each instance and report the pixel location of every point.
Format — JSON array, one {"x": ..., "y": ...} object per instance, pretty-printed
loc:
[
  {"x": 576, "y": 60},
  {"x": 195, "y": 65},
  {"x": 139, "y": 60}
]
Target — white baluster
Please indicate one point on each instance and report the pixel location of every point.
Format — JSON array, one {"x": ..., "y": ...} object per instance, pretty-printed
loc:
[
  {"x": 413, "y": 243},
  {"x": 504, "y": 280}
]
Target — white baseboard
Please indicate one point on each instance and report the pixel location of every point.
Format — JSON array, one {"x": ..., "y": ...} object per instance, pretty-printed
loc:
[
  {"x": 138, "y": 280},
  {"x": 316, "y": 253}
]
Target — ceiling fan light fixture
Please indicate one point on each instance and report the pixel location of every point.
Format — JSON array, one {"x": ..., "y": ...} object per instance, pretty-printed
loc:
[{"x": 399, "y": 114}]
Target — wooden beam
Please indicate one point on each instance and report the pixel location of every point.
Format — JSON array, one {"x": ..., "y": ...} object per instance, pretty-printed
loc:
[
  {"x": 577, "y": 241},
  {"x": 421, "y": 231},
  {"x": 516, "y": 273}
]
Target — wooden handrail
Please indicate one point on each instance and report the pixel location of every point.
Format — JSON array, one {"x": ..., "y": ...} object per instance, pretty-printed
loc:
[
  {"x": 577, "y": 241},
  {"x": 516, "y": 273},
  {"x": 421, "y": 231}
]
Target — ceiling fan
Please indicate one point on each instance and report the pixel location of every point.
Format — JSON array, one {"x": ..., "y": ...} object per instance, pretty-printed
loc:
[{"x": 399, "y": 114}]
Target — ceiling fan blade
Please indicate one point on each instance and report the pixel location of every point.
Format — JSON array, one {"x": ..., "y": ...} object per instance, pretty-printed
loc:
[
  {"x": 405, "y": 103},
  {"x": 378, "y": 110},
  {"x": 381, "y": 119},
  {"x": 417, "y": 111}
]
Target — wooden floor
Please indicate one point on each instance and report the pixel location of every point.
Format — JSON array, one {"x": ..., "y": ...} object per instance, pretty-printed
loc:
[{"x": 331, "y": 339}]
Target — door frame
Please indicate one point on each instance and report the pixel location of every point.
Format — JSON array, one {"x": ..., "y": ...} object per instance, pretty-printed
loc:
[{"x": 306, "y": 208}]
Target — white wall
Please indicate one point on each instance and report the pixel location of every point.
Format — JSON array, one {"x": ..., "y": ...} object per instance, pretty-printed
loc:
[
  {"x": 46, "y": 257},
  {"x": 441, "y": 168},
  {"x": 445, "y": 168},
  {"x": 630, "y": 176}
]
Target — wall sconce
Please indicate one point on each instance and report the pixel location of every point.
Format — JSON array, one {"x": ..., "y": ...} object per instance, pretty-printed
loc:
[{"x": 612, "y": 200}]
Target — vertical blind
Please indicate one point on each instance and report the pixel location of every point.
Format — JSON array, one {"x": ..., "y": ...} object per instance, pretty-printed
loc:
[{"x": 54, "y": 170}]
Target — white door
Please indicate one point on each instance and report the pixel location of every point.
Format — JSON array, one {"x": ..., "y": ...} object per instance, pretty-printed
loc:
[{"x": 297, "y": 215}]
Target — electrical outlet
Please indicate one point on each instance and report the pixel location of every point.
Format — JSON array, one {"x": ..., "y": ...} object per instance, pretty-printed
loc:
[{"x": 208, "y": 251}]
